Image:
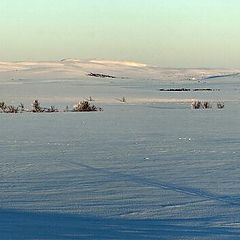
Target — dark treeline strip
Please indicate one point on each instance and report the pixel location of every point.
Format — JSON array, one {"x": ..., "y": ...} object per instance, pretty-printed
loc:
[
  {"x": 186, "y": 89},
  {"x": 100, "y": 75}
]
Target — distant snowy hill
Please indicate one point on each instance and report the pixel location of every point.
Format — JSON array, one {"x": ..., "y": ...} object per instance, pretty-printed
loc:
[{"x": 74, "y": 69}]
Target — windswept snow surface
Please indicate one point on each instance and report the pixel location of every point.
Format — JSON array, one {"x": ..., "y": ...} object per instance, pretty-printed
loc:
[{"x": 150, "y": 168}]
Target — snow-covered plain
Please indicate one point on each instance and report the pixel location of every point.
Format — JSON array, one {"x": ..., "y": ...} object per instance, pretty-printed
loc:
[{"x": 150, "y": 168}]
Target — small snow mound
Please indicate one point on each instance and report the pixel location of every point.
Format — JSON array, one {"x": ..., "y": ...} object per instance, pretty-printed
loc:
[
  {"x": 122, "y": 63},
  {"x": 70, "y": 60}
]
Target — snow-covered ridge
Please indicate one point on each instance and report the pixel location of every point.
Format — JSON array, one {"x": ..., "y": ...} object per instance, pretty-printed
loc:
[
  {"x": 121, "y": 63},
  {"x": 74, "y": 69}
]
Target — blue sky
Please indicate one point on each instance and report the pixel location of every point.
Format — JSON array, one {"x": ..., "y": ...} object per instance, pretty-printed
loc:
[{"x": 169, "y": 33}]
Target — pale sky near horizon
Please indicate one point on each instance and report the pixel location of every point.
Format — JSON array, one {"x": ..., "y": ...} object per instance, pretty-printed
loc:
[{"x": 168, "y": 33}]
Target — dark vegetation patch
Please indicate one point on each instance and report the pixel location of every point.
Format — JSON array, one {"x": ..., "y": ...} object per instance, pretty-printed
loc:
[
  {"x": 99, "y": 75},
  {"x": 206, "y": 105},
  {"x": 82, "y": 106},
  {"x": 187, "y": 89}
]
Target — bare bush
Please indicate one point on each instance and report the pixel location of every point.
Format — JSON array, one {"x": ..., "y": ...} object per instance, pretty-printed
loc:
[
  {"x": 36, "y": 106},
  {"x": 84, "y": 106},
  {"x": 220, "y": 105}
]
